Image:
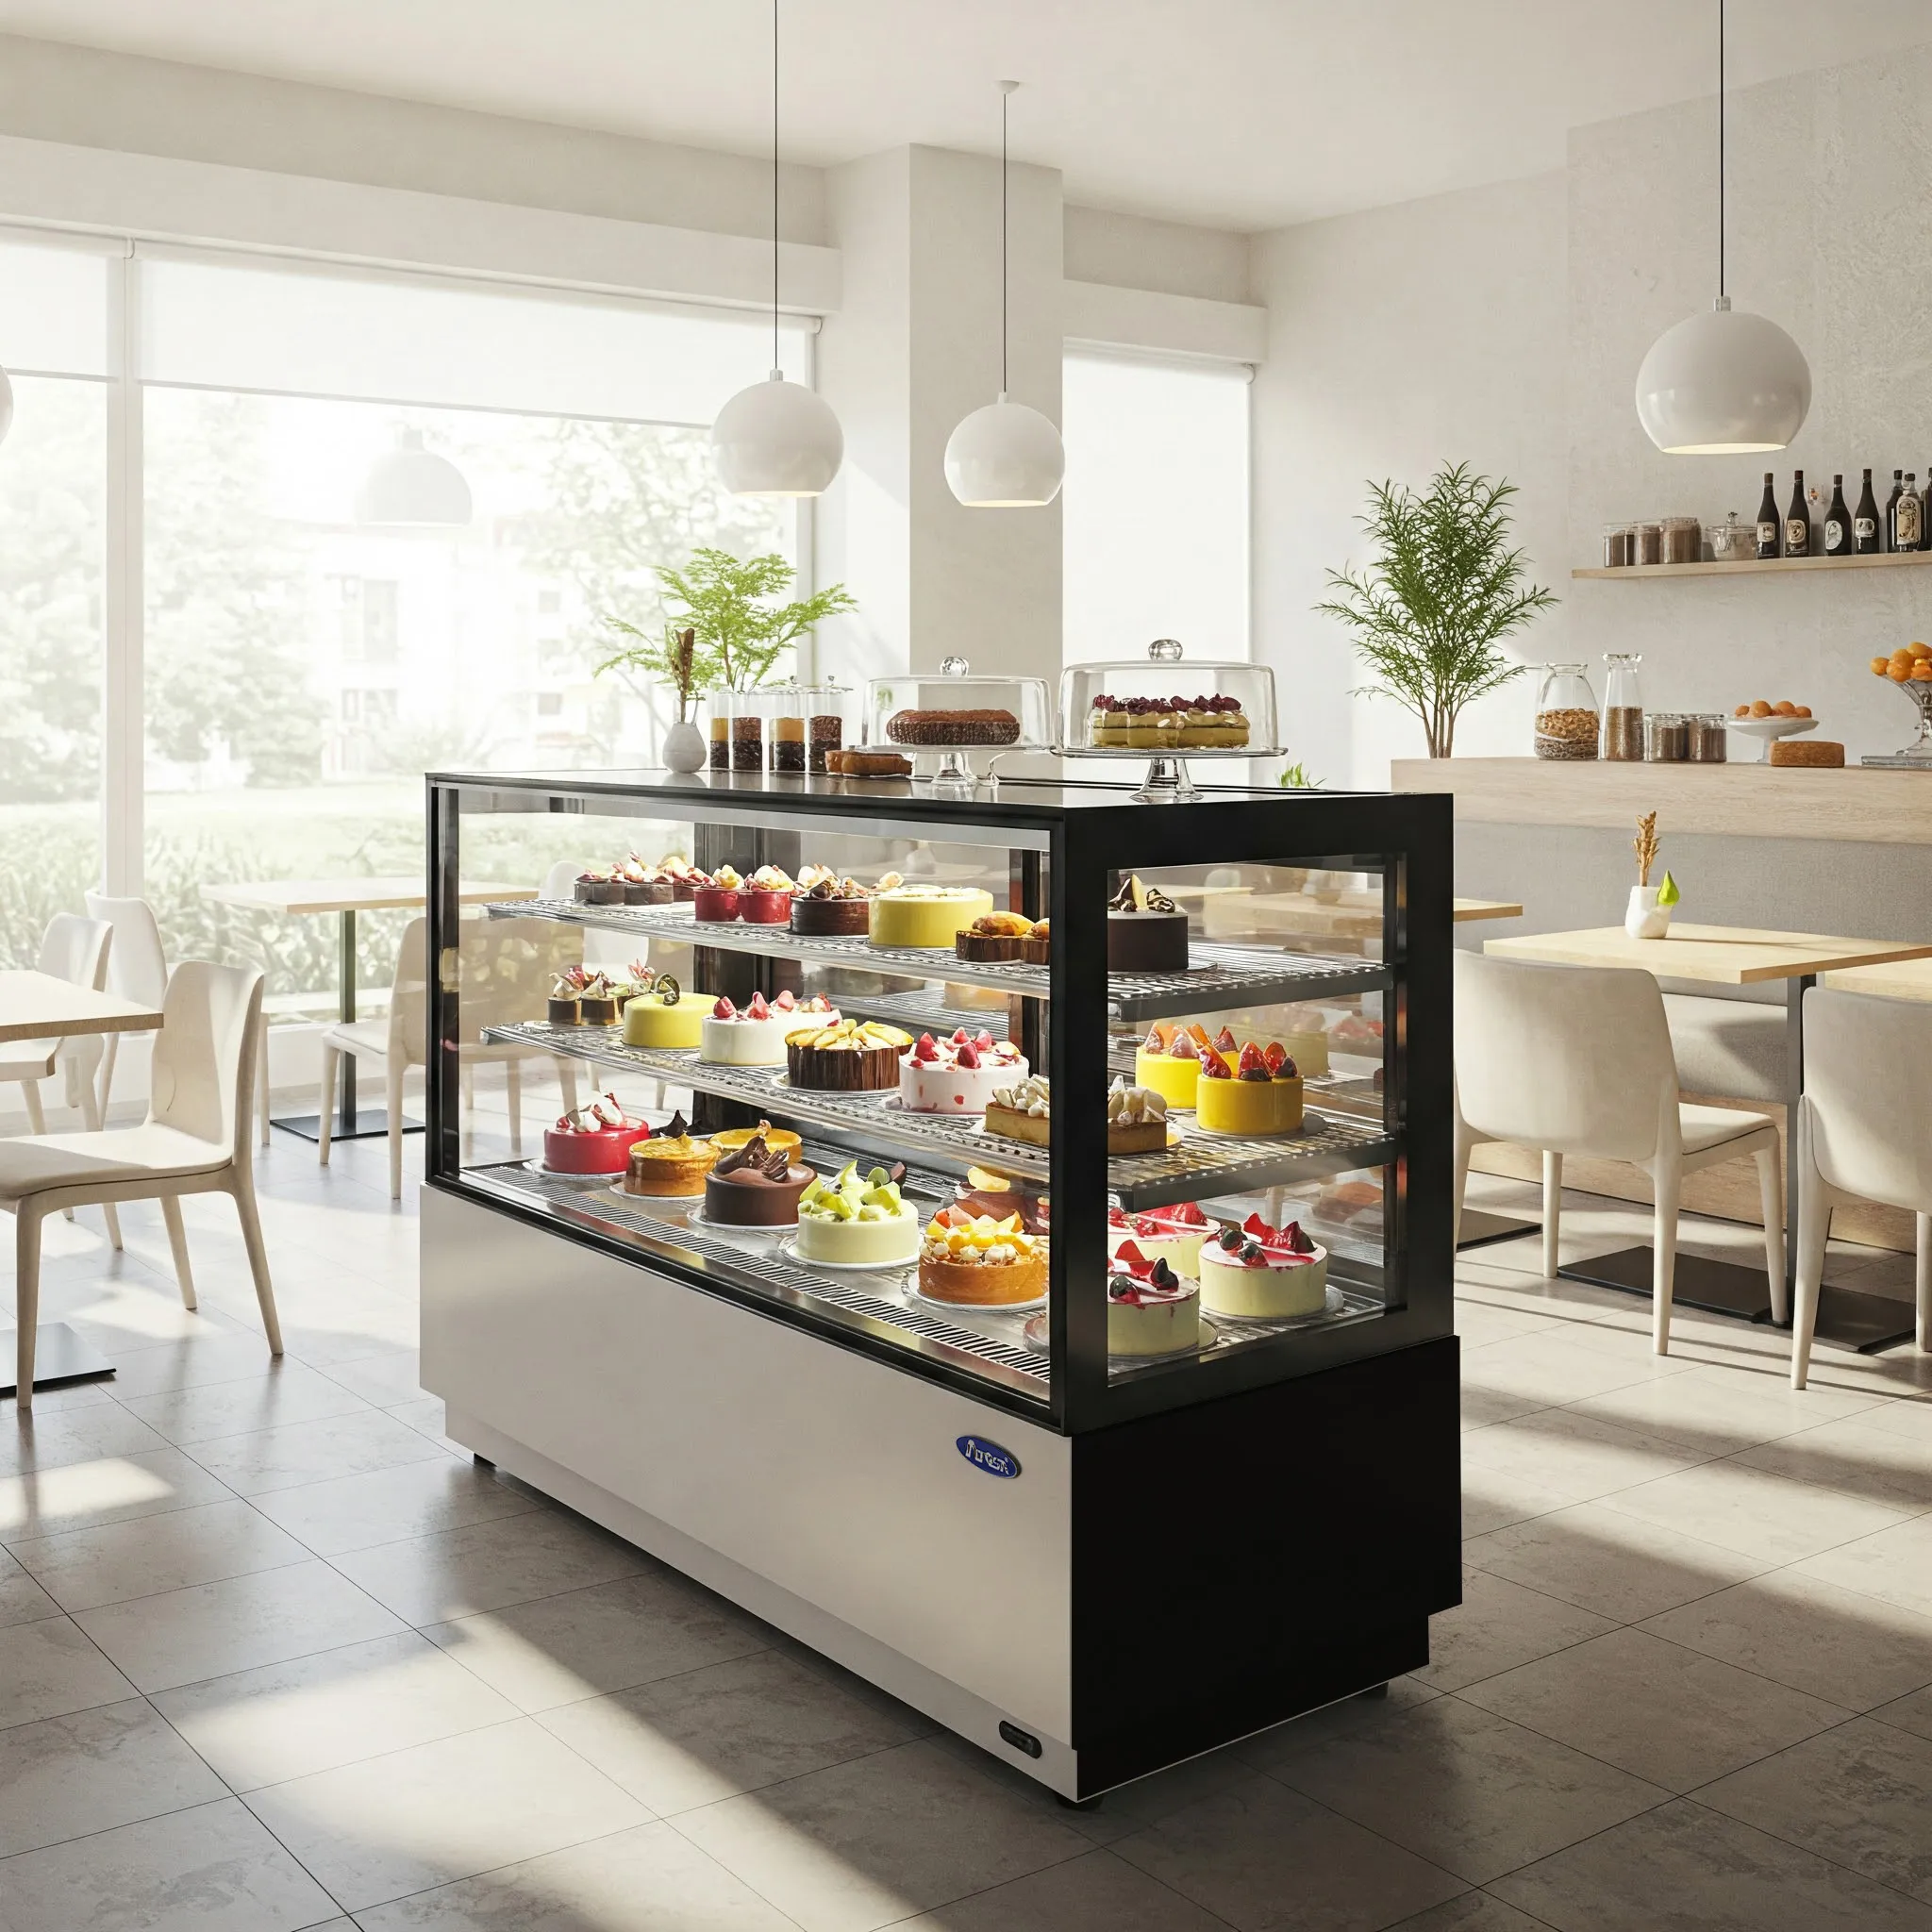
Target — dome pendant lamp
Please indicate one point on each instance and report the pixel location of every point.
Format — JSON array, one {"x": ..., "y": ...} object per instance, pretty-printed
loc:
[
  {"x": 776, "y": 438},
  {"x": 1726, "y": 383},
  {"x": 1005, "y": 456},
  {"x": 413, "y": 488}
]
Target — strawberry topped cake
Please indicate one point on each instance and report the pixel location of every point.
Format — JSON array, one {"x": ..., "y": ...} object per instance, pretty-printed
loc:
[
  {"x": 753, "y": 1035},
  {"x": 1258, "y": 1273},
  {"x": 1261, "y": 1092},
  {"x": 1172, "y": 1235},
  {"x": 596, "y": 1138},
  {"x": 959, "y": 1074},
  {"x": 1150, "y": 1309}
]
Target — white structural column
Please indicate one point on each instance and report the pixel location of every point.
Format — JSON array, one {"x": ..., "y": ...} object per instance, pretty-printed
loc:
[{"x": 914, "y": 345}]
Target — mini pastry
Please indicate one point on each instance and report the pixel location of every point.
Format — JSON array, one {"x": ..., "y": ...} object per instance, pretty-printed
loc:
[
  {"x": 777, "y": 1140},
  {"x": 1172, "y": 1235},
  {"x": 997, "y": 936},
  {"x": 980, "y": 1262},
  {"x": 986, "y": 1191},
  {"x": 1257, "y": 1274},
  {"x": 597, "y": 1001},
  {"x": 563, "y": 1010},
  {"x": 593, "y": 1140},
  {"x": 1136, "y": 1119},
  {"x": 754, "y": 1034},
  {"x": 1037, "y": 946},
  {"x": 599, "y": 888},
  {"x": 1263, "y": 1097},
  {"x": 1150, "y": 1309},
  {"x": 718, "y": 899},
  {"x": 766, "y": 898},
  {"x": 926, "y": 915},
  {"x": 755, "y": 1185},
  {"x": 1023, "y": 1113},
  {"x": 868, "y": 764},
  {"x": 849, "y": 1056},
  {"x": 953, "y": 728},
  {"x": 661, "y": 1016},
  {"x": 685, "y": 878},
  {"x": 673, "y": 1165},
  {"x": 1168, "y": 1061},
  {"x": 1146, "y": 931},
  {"x": 957, "y": 1075},
  {"x": 645, "y": 885},
  {"x": 859, "y": 1219},
  {"x": 831, "y": 907}
]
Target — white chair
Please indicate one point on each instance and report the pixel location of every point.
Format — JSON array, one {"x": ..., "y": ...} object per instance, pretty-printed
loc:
[
  {"x": 193, "y": 1142},
  {"x": 1864, "y": 1134},
  {"x": 76, "y": 950},
  {"x": 1574, "y": 1059},
  {"x": 505, "y": 968}
]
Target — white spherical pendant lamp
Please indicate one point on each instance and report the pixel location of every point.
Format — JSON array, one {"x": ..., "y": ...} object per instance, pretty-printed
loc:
[
  {"x": 411, "y": 487},
  {"x": 1725, "y": 382},
  {"x": 6, "y": 406},
  {"x": 776, "y": 438},
  {"x": 1005, "y": 456}
]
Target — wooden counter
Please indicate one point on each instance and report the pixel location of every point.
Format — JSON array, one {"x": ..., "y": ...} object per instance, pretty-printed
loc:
[{"x": 1869, "y": 806}]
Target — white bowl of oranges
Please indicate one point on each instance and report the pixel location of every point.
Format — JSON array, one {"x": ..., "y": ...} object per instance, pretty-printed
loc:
[
  {"x": 1765, "y": 722},
  {"x": 1908, "y": 664}
]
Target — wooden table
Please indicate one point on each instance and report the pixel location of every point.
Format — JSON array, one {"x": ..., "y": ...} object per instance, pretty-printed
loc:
[
  {"x": 1909, "y": 980},
  {"x": 295, "y": 899},
  {"x": 41, "y": 1006},
  {"x": 1738, "y": 956}
]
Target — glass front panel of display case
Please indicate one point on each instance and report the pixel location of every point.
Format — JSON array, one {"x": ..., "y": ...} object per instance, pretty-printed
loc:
[{"x": 763, "y": 1052}]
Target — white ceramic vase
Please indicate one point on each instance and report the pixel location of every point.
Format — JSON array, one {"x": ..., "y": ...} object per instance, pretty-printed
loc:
[
  {"x": 684, "y": 747},
  {"x": 1644, "y": 918}
]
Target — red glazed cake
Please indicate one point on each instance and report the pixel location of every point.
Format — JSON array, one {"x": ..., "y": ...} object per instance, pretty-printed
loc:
[{"x": 594, "y": 1139}]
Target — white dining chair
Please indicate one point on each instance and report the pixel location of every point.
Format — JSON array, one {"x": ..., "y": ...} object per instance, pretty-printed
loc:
[
  {"x": 76, "y": 950},
  {"x": 194, "y": 1141},
  {"x": 1577, "y": 1060},
  {"x": 1864, "y": 1134}
]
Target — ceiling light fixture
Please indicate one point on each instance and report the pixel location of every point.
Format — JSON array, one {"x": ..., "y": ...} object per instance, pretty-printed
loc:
[
  {"x": 776, "y": 438},
  {"x": 1726, "y": 382},
  {"x": 411, "y": 487},
  {"x": 1005, "y": 456}
]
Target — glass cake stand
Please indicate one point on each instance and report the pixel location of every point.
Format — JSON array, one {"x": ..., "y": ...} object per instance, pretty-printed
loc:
[
  {"x": 955, "y": 713},
  {"x": 1917, "y": 756}
]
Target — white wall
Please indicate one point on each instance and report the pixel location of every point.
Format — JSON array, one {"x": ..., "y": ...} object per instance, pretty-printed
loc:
[{"x": 1132, "y": 252}]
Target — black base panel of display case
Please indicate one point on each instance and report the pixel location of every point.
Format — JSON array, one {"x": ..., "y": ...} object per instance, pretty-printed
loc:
[
  {"x": 371, "y": 1124},
  {"x": 1479, "y": 1229},
  {"x": 1316, "y": 1523}
]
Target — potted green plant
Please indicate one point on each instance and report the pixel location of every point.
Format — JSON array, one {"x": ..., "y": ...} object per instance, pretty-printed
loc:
[
  {"x": 674, "y": 660},
  {"x": 1443, "y": 589}
]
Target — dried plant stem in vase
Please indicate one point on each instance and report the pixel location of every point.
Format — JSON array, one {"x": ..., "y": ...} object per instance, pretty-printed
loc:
[{"x": 1648, "y": 914}]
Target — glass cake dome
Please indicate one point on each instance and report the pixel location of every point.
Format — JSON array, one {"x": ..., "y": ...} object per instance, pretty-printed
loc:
[
  {"x": 956, "y": 712},
  {"x": 1169, "y": 703}
]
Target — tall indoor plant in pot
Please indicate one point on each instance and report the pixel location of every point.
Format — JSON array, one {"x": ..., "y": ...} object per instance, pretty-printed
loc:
[{"x": 1443, "y": 589}]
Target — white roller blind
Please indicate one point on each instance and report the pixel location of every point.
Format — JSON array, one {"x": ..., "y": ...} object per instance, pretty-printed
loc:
[
  {"x": 300, "y": 332},
  {"x": 53, "y": 310}
]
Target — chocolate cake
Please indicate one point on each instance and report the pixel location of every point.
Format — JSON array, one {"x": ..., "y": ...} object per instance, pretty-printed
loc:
[
  {"x": 755, "y": 1185},
  {"x": 854, "y": 1056},
  {"x": 993, "y": 937},
  {"x": 953, "y": 728},
  {"x": 832, "y": 907},
  {"x": 1146, "y": 931}
]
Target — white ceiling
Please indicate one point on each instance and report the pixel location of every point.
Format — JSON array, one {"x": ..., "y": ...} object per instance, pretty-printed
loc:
[{"x": 1236, "y": 113}]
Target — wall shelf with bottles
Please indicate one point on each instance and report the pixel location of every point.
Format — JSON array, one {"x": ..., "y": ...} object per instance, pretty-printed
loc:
[{"x": 1886, "y": 560}]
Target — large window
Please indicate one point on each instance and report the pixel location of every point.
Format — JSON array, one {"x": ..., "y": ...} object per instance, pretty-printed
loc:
[{"x": 1156, "y": 520}]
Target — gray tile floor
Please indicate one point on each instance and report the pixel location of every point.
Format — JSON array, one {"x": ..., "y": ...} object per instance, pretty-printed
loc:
[{"x": 273, "y": 1653}]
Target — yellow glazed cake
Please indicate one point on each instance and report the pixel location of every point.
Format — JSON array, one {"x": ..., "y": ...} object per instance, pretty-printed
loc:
[
  {"x": 1263, "y": 1097},
  {"x": 1168, "y": 1061},
  {"x": 663, "y": 1018},
  {"x": 926, "y": 915}
]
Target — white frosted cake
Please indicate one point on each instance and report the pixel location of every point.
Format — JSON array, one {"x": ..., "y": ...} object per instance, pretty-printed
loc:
[
  {"x": 957, "y": 1075},
  {"x": 1256, "y": 1272},
  {"x": 1150, "y": 1309},
  {"x": 858, "y": 1220},
  {"x": 1172, "y": 1235},
  {"x": 753, "y": 1035}
]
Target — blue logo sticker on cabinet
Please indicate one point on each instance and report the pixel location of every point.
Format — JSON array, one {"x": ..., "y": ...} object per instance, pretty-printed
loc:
[{"x": 988, "y": 1456}]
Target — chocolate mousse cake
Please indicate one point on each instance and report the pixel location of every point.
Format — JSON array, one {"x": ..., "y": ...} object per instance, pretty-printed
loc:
[
  {"x": 953, "y": 728},
  {"x": 1146, "y": 931},
  {"x": 831, "y": 907},
  {"x": 755, "y": 1185}
]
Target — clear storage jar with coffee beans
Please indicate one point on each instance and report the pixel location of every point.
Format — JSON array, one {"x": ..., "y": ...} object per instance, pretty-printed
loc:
[
  {"x": 1566, "y": 720},
  {"x": 1622, "y": 736}
]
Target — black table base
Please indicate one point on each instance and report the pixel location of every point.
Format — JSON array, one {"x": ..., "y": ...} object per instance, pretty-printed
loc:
[
  {"x": 1479, "y": 1229},
  {"x": 371, "y": 1124},
  {"x": 60, "y": 1356}
]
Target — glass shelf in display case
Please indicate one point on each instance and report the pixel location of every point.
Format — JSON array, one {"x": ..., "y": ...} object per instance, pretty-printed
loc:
[{"x": 954, "y": 713}]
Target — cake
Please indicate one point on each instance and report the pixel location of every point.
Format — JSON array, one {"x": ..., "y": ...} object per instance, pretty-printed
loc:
[
  {"x": 599, "y": 888},
  {"x": 1166, "y": 723},
  {"x": 848, "y": 1056},
  {"x": 1256, "y": 1272},
  {"x": 716, "y": 900},
  {"x": 1022, "y": 1112},
  {"x": 868, "y": 762},
  {"x": 1146, "y": 931},
  {"x": 1168, "y": 1061},
  {"x": 1136, "y": 1119},
  {"x": 1150, "y": 1309},
  {"x": 857, "y": 1220},
  {"x": 957, "y": 1075},
  {"x": 1262, "y": 1095},
  {"x": 926, "y": 915},
  {"x": 645, "y": 885},
  {"x": 765, "y": 898},
  {"x": 590, "y": 995},
  {"x": 993, "y": 937},
  {"x": 562, "y": 1008},
  {"x": 685, "y": 877},
  {"x": 960, "y": 997},
  {"x": 593, "y": 1140},
  {"x": 672, "y": 1163},
  {"x": 1309, "y": 1051},
  {"x": 953, "y": 728},
  {"x": 832, "y": 907},
  {"x": 755, "y": 1185},
  {"x": 754, "y": 1034},
  {"x": 774, "y": 1137},
  {"x": 1818, "y": 752},
  {"x": 661, "y": 1016},
  {"x": 1037, "y": 946},
  {"x": 986, "y": 1191},
  {"x": 1172, "y": 1235},
  {"x": 980, "y": 1262}
]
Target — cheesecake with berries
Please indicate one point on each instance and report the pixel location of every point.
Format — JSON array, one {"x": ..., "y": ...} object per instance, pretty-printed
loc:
[
  {"x": 1256, "y": 1272},
  {"x": 1172, "y": 1235},
  {"x": 959, "y": 1074},
  {"x": 1150, "y": 1309},
  {"x": 753, "y": 1035}
]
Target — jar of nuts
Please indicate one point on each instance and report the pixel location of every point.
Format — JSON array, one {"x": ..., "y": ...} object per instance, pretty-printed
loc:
[{"x": 1566, "y": 718}]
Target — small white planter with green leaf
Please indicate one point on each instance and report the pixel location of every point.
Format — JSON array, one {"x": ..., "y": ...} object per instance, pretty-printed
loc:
[{"x": 1648, "y": 914}]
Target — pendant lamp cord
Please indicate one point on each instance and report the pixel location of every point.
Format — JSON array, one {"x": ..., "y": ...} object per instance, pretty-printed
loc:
[
  {"x": 1722, "y": 289},
  {"x": 775, "y": 184},
  {"x": 1004, "y": 97}
]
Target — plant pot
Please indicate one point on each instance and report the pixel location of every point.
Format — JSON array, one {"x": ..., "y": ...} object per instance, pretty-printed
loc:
[
  {"x": 1644, "y": 918},
  {"x": 684, "y": 747}
]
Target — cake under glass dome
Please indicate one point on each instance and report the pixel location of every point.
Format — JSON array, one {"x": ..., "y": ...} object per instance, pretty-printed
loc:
[{"x": 955, "y": 713}]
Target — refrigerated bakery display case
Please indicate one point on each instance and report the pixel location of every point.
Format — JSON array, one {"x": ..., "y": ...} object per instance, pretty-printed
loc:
[
  {"x": 1163, "y": 710},
  {"x": 943, "y": 723},
  {"x": 979, "y": 1238}
]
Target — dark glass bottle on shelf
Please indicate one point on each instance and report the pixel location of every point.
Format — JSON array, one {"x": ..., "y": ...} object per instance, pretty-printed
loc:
[
  {"x": 1866, "y": 541},
  {"x": 1898, "y": 486},
  {"x": 1838, "y": 522},
  {"x": 1906, "y": 520},
  {"x": 1770, "y": 531},
  {"x": 1798, "y": 519},
  {"x": 1926, "y": 512}
]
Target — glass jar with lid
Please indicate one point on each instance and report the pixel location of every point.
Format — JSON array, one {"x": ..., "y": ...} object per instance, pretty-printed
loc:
[
  {"x": 1616, "y": 545},
  {"x": 1622, "y": 732},
  {"x": 784, "y": 730},
  {"x": 1167, "y": 702},
  {"x": 831, "y": 722},
  {"x": 718, "y": 729},
  {"x": 1647, "y": 541},
  {"x": 745, "y": 712},
  {"x": 1566, "y": 720},
  {"x": 957, "y": 713},
  {"x": 1683, "y": 540},
  {"x": 1706, "y": 738},
  {"x": 1666, "y": 738}
]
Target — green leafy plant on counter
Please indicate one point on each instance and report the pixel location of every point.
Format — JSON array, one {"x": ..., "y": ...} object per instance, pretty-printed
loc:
[
  {"x": 1443, "y": 589},
  {"x": 674, "y": 660},
  {"x": 740, "y": 630},
  {"x": 1296, "y": 778}
]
